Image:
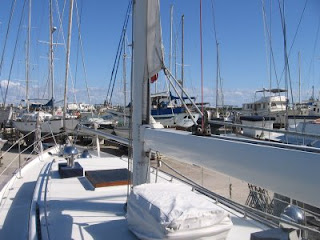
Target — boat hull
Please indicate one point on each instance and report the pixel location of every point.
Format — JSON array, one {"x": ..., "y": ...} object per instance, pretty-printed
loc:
[
  {"x": 256, "y": 121},
  {"x": 176, "y": 120},
  {"x": 55, "y": 126}
]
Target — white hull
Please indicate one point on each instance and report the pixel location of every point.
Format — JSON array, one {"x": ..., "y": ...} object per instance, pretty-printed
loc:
[
  {"x": 178, "y": 120},
  {"x": 253, "y": 133},
  {"x": 307, "y": 127},
  {"x": 54, "y": 126}
]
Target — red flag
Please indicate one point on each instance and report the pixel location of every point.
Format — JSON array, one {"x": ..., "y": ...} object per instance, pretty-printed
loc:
[{"x": 154, "y": 78}]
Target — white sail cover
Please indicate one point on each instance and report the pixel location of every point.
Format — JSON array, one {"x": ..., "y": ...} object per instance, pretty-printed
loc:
[
  {"x": 148, "y": 31},
  {"x": 173, "y": 211},
  {"x": 147, "y": 47},
  {"x": 154, "y": 39},
  {"x": 147, "y": 36}
]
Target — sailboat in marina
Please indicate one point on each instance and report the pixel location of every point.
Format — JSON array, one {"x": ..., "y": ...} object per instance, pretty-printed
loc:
[
  {"x": 68, "y": 192},
  {"x": 49, "y": 122},
  {"x": 167, "y": 109}
]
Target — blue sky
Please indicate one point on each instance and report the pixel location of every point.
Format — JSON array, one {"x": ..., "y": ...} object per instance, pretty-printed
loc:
[{"x": 240, "y": 30}]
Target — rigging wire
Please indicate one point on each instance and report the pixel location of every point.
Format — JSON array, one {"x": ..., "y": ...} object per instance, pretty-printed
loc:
[
  {"x": 176, "y": 45},
  {"x": 288, "y": 82},
  {"x": 201, "y": 64},
  {"x": 14, "y": 52},
  {"x": 45, "y": 87},
  {"x": 60, "y": 31},
  {"x": 118, "y": 54},
  {"x": 271, "y": 49},
  {"x": 266, "y": 42},
  {"x": 218, "y": 74},
  {"x": 65, "y": 47},
  {"x": 36, "y": 50},
  {"x": 117, "y": 68},
  {"x": 314, "y": 49},
  {"x": 79, "y": 18},
  {"x": 284, "y": 32},
  {"x": 82, "y": 52},
  {"x": 270, "y": 56},
  {"x": 5, "y": 41},
  {"x": 166, "y": 85},
  {"x": 295, "y": 35}
]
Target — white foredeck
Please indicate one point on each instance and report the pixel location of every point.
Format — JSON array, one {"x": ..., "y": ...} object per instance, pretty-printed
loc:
[
  {"x": 16, "y": 197},
  {"x": 74, "y": 210},
  {"x": 77, "y": 211}
]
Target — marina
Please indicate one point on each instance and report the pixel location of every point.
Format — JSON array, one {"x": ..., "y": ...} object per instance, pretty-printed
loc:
[{"x": 155, "y": 157}]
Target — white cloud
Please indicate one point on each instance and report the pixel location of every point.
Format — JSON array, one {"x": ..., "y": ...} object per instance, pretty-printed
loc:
[{"x": 12, "y": 84}]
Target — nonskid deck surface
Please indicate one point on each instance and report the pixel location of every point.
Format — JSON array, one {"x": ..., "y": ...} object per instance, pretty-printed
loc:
[
  {"x": 16, "y": 197},
  {"x": 77, "y": 211},
  {"x": 74, "y": 210},
  {"x": 81, "y": 212}
]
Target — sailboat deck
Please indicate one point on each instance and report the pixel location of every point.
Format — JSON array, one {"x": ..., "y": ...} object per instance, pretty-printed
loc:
[
  {"x": 16, "y": 197},
  {"x": 76, "y": 210},
  {"x": 71, "y": 208}
]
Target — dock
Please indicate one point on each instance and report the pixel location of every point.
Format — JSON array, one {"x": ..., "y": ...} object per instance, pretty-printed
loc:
[{"x": 9, "y": 163}]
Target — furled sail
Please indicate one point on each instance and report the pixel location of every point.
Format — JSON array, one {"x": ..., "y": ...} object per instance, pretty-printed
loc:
[
  {"x": 147, "y": 62},
  {"x": 147, "y": 46},
  {"x": 154, "y": 39}
]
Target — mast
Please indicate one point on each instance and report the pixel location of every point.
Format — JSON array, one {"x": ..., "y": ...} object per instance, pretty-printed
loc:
[
  {"x": 124, "y": 79},
  {"x": 218, "y": 62},
  {"x": 270, "y": 48},
  {"x": 299, "y": 76},
  {"x": 182, "y": 52},
  {"x": 28, "y": 55},
  {"x": 217, "y": 81},
  {"x": 170, "y": 51},
  {"x": 147, "y": 60},
  {"x": 175, "y": 58},
  {"x": 201, "y": 68},
  {"x": 51, "y": 71},
  {"x": 286, "y": 62},
  {"x": 67, "y": 64},
  {"x": 139, "y": 89}
]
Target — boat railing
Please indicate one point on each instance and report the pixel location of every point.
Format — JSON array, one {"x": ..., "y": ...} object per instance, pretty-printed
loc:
[
  {"x": 298, "y": 142},
  {"x": 275, "y": 198},
  {"x": 10, "y": 169},
  {"x": 90, "y": 131},
  {"x": 124, "y": 141},
  {"x": 301, "y": 134}
]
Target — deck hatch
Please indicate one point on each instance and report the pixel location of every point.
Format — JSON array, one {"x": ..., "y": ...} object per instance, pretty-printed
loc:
[{"x": 106, "y": 178}]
